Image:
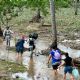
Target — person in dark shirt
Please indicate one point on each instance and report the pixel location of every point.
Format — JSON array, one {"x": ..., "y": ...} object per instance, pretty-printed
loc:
[
  {"x": 31, "y": 46},
  {"x": 68, "y": 63},
  {"x": 19, "y": 50}
]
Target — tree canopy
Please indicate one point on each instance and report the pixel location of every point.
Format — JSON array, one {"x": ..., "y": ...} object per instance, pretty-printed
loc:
[{"x": 8, "y": 6}]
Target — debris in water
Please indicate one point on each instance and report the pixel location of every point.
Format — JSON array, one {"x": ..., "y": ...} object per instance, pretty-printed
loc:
[{"x": 17, "y": 76}]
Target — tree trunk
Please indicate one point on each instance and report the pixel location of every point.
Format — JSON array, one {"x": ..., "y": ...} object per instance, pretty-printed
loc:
[
  {"x": 37, "y": 17},
  {"x": 76, "y": 6},
  {"x": 53, "y": 21},
  {"x": 38, "y": 13},
  {"x": 1, "y": 33}
]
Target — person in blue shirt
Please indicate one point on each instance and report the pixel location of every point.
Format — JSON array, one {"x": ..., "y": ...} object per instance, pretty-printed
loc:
[
  {"x": 55, "y": 56},
  {"x": 19, "y": 50}
]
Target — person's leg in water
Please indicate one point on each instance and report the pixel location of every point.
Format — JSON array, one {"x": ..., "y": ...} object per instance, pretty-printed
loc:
[
  {"x": 68, "y": 69},
  {"x": 20, "y": 57},
  {"x": 6, "y": 39},
  {"x": 64, "y": 77},
  {"x": 17, "y": 57},
  {"x": 17, "y": 54},
  {"x": 55, "y": 72},
  {"x": 31, "y": 51},
  {"x": 71, "y": 77},
  {"x": 70, "y": 72},
  {"x": 9, "y": 42},
  {"x": 65, "y": 72}
]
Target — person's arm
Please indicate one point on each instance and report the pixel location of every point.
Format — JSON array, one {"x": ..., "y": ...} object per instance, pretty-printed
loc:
[
  {"x": 49, "y": 58},
  {"x": 4, "y": 33},
  {"x": 73, "y": 62},
  {"x": 62, "y": 64},
  {"x": 11, "y": 32}
]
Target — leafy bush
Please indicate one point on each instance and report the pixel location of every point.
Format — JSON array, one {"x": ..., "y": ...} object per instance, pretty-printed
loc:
[{"x": 63, "y": 3}]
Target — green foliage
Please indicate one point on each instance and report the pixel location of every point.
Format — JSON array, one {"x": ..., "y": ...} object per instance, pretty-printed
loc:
[
  {"x": 39, "y": 4},
  {"x": 7, "y": 9},
  {"x": 11, "y": 66},
  {"x": 9, "y": 6},
  {"x": 63, "y": 3}
]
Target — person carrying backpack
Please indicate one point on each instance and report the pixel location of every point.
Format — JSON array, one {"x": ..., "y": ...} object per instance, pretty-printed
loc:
[
  {"x": 7, "y": 35},
  {"x": 31, "y": 45},
  {"x": 55, "y": 56},
  {"x": 33, "y": 35}
]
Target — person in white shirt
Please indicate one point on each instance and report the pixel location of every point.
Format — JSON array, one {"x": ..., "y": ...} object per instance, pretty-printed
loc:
[{"x": 7, "y": 36}]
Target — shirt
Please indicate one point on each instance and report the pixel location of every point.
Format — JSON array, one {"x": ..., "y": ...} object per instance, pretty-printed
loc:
[
  {"x": 53, "y": 59},
  {"x": 20, "y": 44},
  {"x": 68, "y": 61}
]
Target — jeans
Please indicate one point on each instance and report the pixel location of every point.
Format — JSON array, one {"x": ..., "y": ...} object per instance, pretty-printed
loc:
[{"x": 68, "y": 69}]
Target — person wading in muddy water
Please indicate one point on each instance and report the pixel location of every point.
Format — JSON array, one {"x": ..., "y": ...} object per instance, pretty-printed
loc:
[
  {"x": 32, "y": 38},
  {"x": 31, "y": 45},
  {"x": 55, "y": 55},
  {"x": 7, "y": 36},
  {"x": 19, "y": 49},
  {"x": 68, "y": 63}
]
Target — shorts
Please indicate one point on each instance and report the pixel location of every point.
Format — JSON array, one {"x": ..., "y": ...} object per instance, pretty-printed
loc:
[
  {"x": 19, "y": 50},
  {"x": 55, "y": 67},
  {"x": 31, "y": 47},
  {"x": 68, "y": 69}
]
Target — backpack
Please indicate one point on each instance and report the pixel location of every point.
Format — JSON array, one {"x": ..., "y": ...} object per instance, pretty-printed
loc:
[
  {"x": 7, "y": 33},
  {"x": 57, "y": 55},
  {"x": 33, "y": 35},
  {"x": 31, "y": 42}
]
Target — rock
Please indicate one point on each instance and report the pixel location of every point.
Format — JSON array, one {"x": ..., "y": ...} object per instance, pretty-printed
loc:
[
  {"x": 77, "y": 62},
  {"x": 4, "y": 76},
  {"x": 75, "y": 44},
  {"x": 17, "y": 76},
  {"x": 45, "y": 52}
]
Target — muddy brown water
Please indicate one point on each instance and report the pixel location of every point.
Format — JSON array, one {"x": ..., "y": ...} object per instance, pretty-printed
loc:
[{"x": 37, "y": 68}]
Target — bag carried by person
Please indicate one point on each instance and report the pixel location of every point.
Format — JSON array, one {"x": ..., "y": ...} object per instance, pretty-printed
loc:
[
  {"x": 26, "y": 44},
  {"x": 57, "y": 54},
  {"x": 75, "y": 73},
  {"x": 33, "y": 35},
  {"x": 7, "y": 33},
  {"x": 31, "y": 41}
]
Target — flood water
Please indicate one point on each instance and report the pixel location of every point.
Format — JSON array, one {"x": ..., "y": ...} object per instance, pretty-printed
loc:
[
  {"x": 72, "y": 52},
  {"x": 37, "y": 68}
]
